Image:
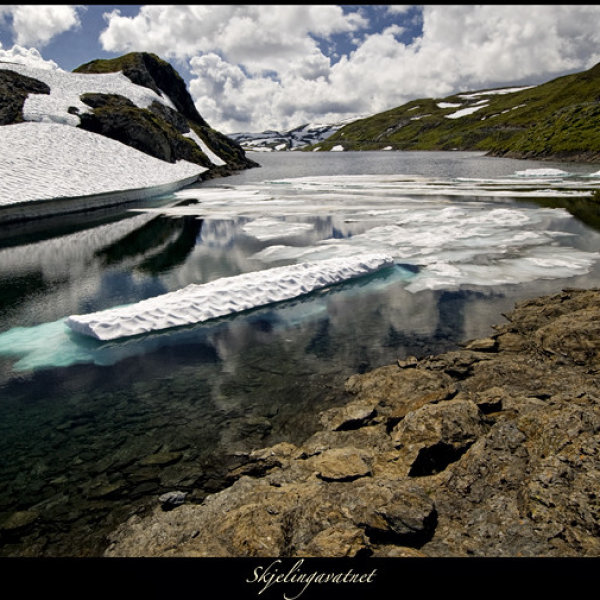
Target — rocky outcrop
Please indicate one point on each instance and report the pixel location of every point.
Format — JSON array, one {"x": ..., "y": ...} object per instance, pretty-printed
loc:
[
  {"x": 14, "y": 89},
  {"x": 148, "y": 70},
  {"x": 488, "y": 450},
  {"x": 158, "y": 130}
]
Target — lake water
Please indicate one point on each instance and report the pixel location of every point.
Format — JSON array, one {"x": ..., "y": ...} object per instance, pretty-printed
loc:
[{"x": 92, "y": 432}]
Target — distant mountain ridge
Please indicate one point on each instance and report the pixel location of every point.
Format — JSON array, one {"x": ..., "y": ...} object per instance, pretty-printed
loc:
[
  {"x": 559, "y": 119},
  {"x": 276, "y": 141}
]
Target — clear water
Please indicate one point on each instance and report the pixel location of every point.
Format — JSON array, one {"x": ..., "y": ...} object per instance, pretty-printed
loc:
[{"x": 91, "y": 433}]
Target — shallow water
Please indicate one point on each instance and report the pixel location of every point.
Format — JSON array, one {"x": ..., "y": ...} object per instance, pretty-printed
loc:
[{"x": 91, "y": 432}]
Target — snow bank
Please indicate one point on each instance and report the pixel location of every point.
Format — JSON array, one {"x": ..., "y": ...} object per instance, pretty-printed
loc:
[
  {"x": 494, "y": 92},
  {"x": 44, "y": 161},
  {"x": 197, "y": 303}
]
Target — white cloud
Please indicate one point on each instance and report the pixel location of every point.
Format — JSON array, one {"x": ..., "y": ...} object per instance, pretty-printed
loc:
[
  {"x": 38, "y": 24},
  {"x": 398, "y": 9},
  {"x": 261, "y": 67},
  {"x": 261, "y": 37},
  {"x": 26, "y": 56}
]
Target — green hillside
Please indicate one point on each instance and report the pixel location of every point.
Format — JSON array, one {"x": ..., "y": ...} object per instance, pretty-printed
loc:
[{"x": 558, "y": 119}]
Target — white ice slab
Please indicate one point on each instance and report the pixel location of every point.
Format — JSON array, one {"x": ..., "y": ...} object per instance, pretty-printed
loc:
[
  {"x": 272, "y": 229},
  {"x": 197, "y": 303}
]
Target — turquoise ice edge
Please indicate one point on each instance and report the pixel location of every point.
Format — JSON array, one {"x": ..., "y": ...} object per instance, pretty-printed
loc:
[{"x": 54, "y": 344}]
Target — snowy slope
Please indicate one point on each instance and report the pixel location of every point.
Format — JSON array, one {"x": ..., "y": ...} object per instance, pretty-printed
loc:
[
  {"x": 41, "y": 161},
  {"x": 49, "y": 157},
  {"x": 66, "y": 88}
]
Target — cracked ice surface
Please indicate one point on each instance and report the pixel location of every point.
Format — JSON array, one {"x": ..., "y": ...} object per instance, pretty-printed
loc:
[
  {"x": 41, "y": 161},
  {"x": 197, "y": 303}
]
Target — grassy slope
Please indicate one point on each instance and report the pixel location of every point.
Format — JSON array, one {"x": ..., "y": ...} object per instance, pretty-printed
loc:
[{"x": 560, "y": 118}]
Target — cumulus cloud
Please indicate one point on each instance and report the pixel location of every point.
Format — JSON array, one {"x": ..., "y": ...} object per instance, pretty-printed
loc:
[
  {"x": 264, "y": 67},
  {"x": 261, "y": 37},
  {"x": 38, "y": 24},
  {"x": 26, "y": 56}
]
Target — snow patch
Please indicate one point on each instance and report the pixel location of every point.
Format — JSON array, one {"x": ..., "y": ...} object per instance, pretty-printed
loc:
[
  {"x": 338, "y": 148},
  {"x": 66, "y": 89},
  {"x": 214, "y": 159},
  {"x": 495, "y": 92},
  {"x": 466, "y": 111}
]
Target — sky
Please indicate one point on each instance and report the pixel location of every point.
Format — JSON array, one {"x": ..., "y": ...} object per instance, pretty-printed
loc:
[{"x": 255, "y": 67}]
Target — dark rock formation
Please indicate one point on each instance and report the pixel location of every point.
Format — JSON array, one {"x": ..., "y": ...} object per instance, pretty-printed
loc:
[
  {"x": 146, "y": 130},
  {"x": 165, "y": 126},
  {"x": 491, "y": 450},
  {"x": 150, "y": 71},
  {"x": 14, "y": 89}
]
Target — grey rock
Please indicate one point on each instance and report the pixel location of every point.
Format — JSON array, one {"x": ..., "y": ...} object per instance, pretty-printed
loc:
[{"x": 170, "y": 500}]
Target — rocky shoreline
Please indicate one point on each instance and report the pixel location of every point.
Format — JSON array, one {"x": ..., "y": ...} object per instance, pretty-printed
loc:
[{"x": 488, "y": 450}]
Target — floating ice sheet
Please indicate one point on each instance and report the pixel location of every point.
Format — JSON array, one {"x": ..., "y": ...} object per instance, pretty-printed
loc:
[
  {"x": 53, "y": 344},
  {"x": 462, "y": 226},
  {"x": 271, "y": 229},
  {"x": 198, "y": 303}
]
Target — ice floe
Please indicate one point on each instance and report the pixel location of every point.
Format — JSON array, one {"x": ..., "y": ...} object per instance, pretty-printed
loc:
[
  {"x": 541, "y": 173},
  {"x": 53, "y": 344},
  {"x": 198, "y": 303},
  {"x": 271, "y": 229},
  {"x": 466, "y": 226}
]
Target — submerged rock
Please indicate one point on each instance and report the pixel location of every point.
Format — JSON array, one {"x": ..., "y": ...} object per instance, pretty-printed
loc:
[{"x": 490, "y": 450}]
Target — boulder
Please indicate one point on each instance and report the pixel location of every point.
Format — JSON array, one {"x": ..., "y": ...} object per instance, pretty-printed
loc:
[{"x": 434, "y": 436}]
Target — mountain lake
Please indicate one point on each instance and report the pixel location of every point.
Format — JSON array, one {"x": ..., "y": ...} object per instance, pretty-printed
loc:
[{"x": 92, "y": 432}]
